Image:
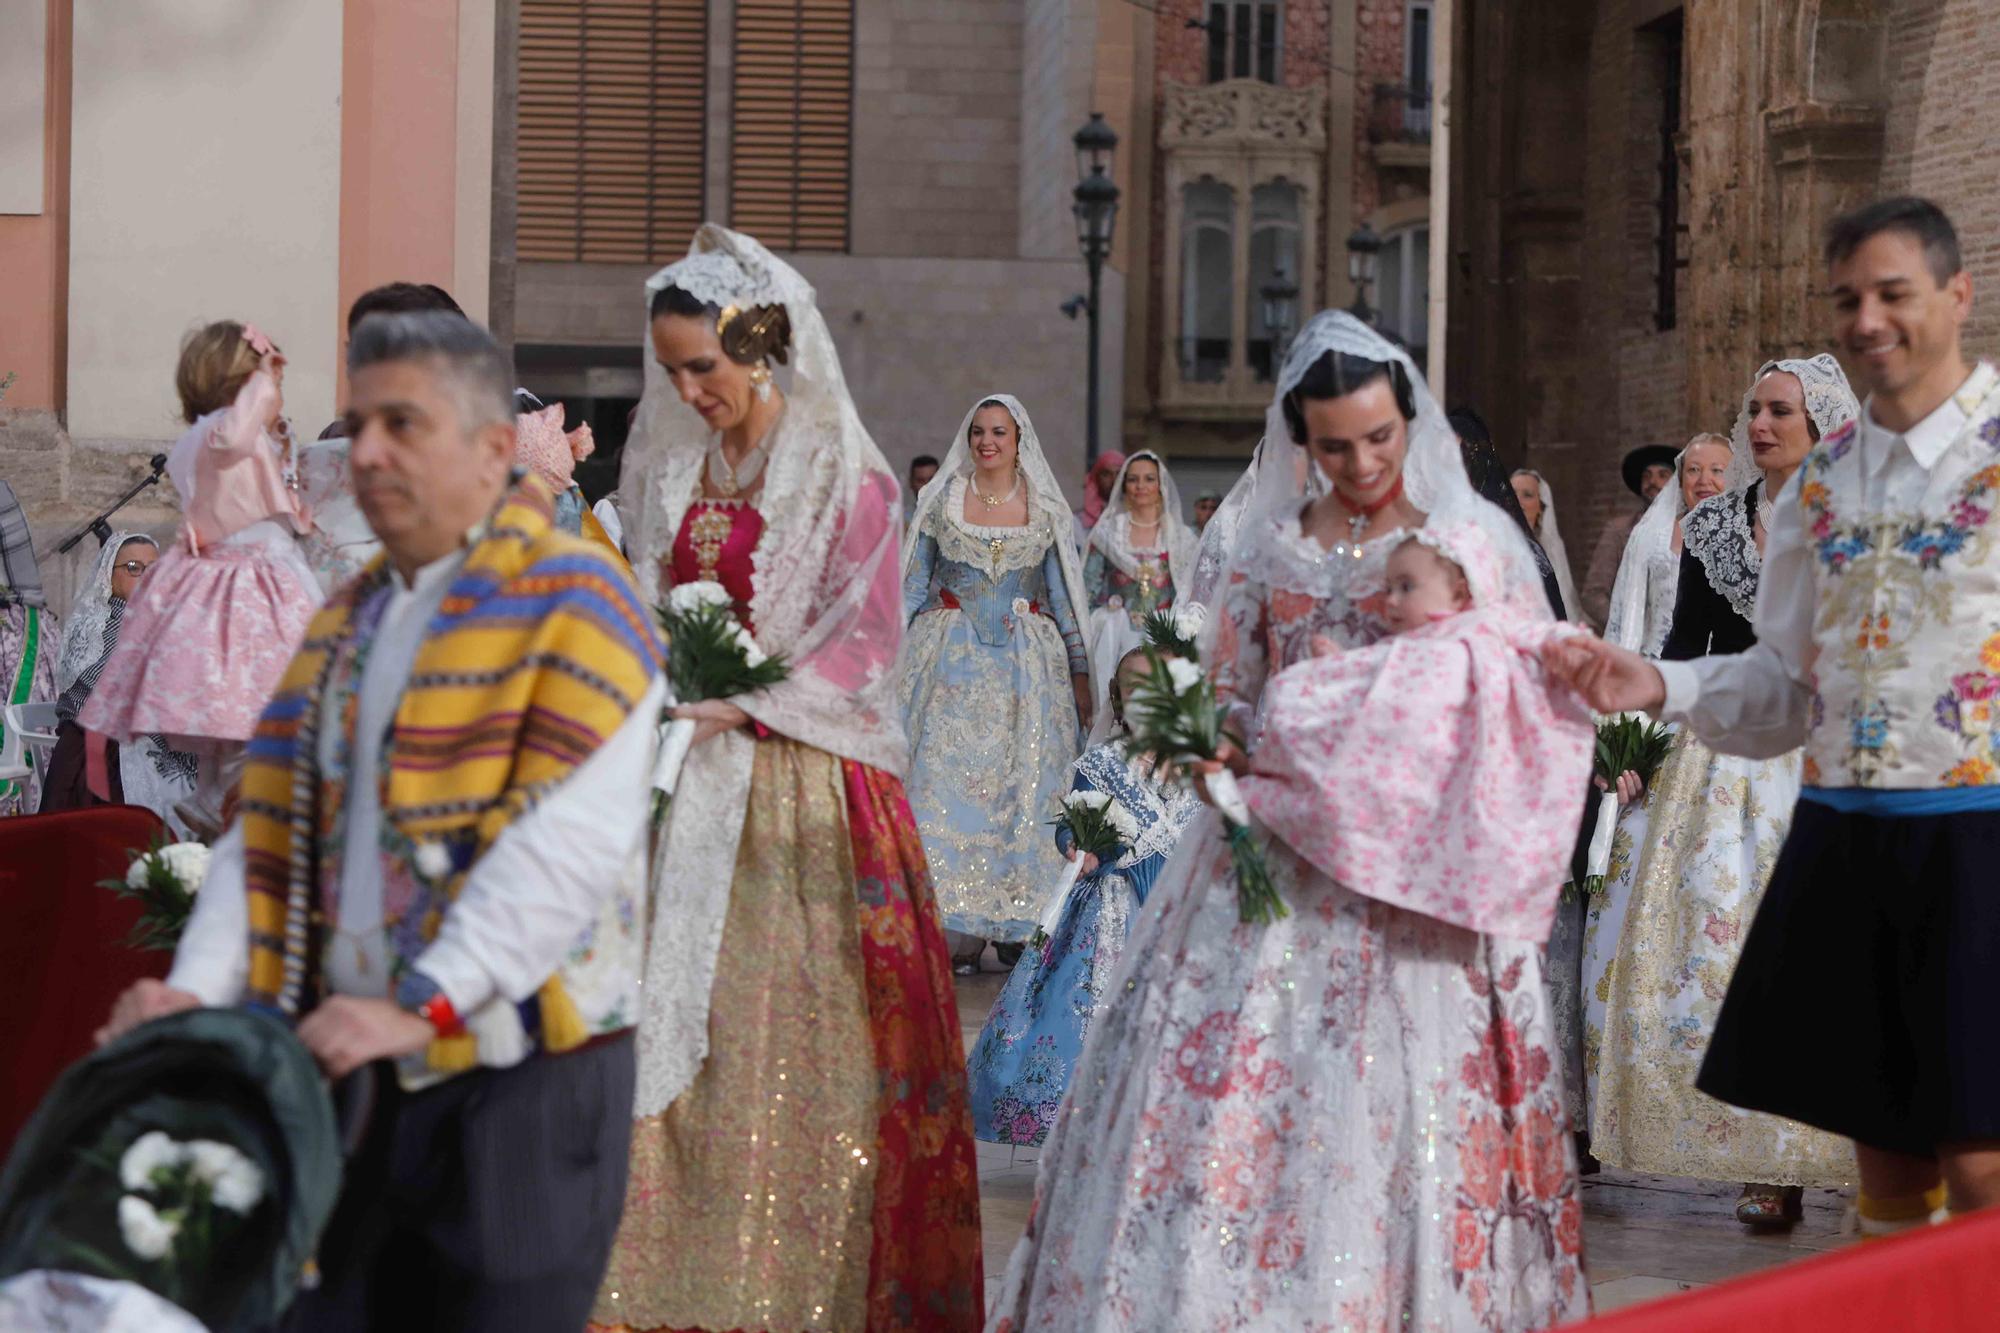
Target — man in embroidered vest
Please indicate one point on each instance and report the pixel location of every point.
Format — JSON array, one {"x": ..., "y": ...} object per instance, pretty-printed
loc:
[
  {"x": 1866, "y": 995},
  {"x": 438, "y": 868}
]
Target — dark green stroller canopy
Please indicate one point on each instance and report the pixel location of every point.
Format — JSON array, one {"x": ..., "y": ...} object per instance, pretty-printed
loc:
[{"x": 227, "y": 1076}]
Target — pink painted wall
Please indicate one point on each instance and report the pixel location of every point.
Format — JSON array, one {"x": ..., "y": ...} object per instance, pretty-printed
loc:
[
  {"x": 34, "y": 252},
  {"x": 398, "y": 147}
]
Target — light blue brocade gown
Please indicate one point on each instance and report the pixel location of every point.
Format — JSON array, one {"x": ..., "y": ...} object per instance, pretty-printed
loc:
[
  {"x": 1026, "y": 1054},
  {"x": 991, "y": 714}
]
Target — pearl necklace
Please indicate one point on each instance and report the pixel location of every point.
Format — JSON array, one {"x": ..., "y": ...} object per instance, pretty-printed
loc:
[
  {"x": 732, "y": 481},
  {"x": 988, "y": 500}
]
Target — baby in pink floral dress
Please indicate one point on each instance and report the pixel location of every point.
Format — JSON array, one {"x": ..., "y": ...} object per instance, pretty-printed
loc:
[
  {"x": 215, "y": 622},
  {"x": 1441, "y": 769}
]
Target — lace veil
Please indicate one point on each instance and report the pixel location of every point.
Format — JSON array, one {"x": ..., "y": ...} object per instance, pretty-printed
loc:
[
  {"x": 825, "y": 592},
  {"x": 83, "y": 645},
  {"x": 1650, "y": 536},
  {"x": 1112, "y": 535},
  {"x": 1717, "y": 531},
  {"x": 1047, "y": 506},
  {"x": 1550, "y": 536},
  {"x": 1434, "y": 476}
]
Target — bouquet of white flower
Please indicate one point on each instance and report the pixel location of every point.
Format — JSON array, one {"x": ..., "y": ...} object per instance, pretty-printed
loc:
[
  {"x": 1174, "y": 630},
  {"x": 710, "y": 655},
  {"x": 1173, "y": 716},
  {"x": 164, "y": 878},
  {"x": 181, "y": 1200},
  {"x": 1098, "y": 826}
]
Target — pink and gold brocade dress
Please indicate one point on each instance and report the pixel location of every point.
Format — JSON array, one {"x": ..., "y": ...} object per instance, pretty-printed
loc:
[{"x": 819, "y": 1173}]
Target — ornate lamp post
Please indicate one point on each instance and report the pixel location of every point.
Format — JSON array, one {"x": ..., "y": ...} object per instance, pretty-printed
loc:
[
  {"x": 1096, "y": 209},
  {"x": 1362, "y": 247},
  {"x": 1280, "y": 301}
]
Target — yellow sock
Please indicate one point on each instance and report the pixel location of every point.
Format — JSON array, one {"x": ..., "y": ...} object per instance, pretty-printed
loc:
[{"x": 1887, "y": 1217}]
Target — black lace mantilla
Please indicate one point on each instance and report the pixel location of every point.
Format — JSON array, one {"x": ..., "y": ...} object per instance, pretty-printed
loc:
[{"x": 1721, "y": 534}]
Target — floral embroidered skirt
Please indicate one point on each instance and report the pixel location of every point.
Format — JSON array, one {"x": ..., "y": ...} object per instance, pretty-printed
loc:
[
  {"x": 1349, "y": 1119},
  {"x": 819, "y": 1173},
  {"x": 1659, "y": 960}
]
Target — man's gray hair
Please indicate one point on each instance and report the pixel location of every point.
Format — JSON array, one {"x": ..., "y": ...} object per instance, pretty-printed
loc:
[{"x": 479, "y": 374}]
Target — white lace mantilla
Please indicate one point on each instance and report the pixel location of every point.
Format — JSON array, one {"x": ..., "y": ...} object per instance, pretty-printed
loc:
[{"x": 1719, "y": 534}]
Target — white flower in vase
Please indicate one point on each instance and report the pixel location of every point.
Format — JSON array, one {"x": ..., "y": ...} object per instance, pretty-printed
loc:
[{"x": 146, "y": 1233}]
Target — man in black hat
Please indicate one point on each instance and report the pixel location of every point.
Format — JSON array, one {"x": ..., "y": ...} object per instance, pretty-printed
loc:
[{"x": 1647, "y": 471}]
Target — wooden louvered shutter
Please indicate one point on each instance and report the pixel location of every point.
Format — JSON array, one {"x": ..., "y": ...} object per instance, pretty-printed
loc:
[
  {"x": 793, "y": 106},
  {"x": 612, "y": 131}
]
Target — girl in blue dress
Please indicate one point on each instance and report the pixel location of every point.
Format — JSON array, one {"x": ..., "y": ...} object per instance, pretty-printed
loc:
[{"x": 1021, "y": 1065}]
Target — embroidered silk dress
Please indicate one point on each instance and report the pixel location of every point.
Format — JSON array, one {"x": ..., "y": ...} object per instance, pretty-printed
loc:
[
  {"x": 1679, "y": 900},
  {"x": 818, "y": 1173},
  {"x": 1348, "y": 1119},
  {"x": 991, "y": 712},
  {"x": 1021, "y": 1066}
]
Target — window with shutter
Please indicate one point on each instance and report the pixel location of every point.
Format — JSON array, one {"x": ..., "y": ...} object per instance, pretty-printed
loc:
[
  {"x": 793, "y": 104},
  {"x": 611, "y": 148}
]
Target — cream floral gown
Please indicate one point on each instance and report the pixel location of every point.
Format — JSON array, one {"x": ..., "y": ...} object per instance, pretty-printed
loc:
[{"x": 1350, "y": 1119}]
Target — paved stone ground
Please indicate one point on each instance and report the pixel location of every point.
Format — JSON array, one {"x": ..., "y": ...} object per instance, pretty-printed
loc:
[{"x": 1644, "y": 1236}]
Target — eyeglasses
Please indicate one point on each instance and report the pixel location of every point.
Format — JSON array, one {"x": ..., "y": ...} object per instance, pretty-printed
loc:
[{"x": 134, "y": 567}]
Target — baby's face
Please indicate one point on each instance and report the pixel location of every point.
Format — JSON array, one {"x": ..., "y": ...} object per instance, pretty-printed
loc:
[{"x": 1421, "y": 586}]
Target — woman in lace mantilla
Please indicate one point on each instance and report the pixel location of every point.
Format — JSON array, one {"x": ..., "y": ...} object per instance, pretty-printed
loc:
[
  {"x": 802, "y": 1156},
  {"x": 1350, "y": 1117},
  {"x": 995, "y": 676},
  {"x": 1141, "y": 556},
  {"x": 1713, "y": 827}
]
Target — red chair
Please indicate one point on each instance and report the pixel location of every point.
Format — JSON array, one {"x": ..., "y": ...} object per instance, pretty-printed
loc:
[
  {"x": 63, "y": 957},
  {"x": 1937, "y": 1279}
]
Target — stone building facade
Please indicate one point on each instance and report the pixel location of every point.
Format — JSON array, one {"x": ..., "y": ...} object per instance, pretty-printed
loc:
[
  {"x": 1639, "y": 191},
  {"x": 1269, "y": 132}
]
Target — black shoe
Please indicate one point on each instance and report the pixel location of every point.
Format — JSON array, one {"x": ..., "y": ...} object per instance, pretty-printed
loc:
[{"x": 1009, "y": 954}]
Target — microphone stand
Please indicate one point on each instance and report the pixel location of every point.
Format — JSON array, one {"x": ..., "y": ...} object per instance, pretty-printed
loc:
[{"x": 100, "y": 527}]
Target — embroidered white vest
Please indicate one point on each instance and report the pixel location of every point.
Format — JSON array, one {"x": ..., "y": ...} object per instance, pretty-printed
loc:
[{"x": 1906, "y": 682}]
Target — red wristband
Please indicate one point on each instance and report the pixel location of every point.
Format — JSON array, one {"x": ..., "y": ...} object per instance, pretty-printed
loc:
[{"x": 444, "y": 1019}]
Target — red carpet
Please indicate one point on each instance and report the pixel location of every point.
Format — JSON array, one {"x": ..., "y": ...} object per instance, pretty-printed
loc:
[{"x": 62, "y": 953}]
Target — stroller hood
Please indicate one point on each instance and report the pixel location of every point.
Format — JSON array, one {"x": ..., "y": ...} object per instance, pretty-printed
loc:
[{"x": 230, "y": 1075}]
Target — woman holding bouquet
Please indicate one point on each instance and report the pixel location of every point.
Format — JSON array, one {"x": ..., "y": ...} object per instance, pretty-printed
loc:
[
  {"x": 1349, "y": 1117},
  {"x": 995, "y": 674},
  {"x": 802, "y": 1157},
  {"x": 1021, "y": 1065},
  {"x": 1714, "y": 826},
  {"x": 1141, "y": 553}
]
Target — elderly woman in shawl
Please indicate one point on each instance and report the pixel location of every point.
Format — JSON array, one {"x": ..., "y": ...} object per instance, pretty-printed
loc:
[
  {"x": 1677, "y": 908},
  {"x": 995, "y": 675},
  {"x": 145, "y": 772},
  {"x": 25, "y": 651},
  {"x": 802, "y": 1156},
  {"x": 1350, "y": 1116}
]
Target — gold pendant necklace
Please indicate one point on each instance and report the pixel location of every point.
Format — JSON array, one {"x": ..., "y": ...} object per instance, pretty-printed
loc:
[{"x": 1008, "y": 498}]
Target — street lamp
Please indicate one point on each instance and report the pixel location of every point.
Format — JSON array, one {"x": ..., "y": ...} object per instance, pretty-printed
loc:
[
  {"x": 1362, "y": 247},
  {"x": 1280, "y": 297},
  {"x": 1096, "y": 209}
]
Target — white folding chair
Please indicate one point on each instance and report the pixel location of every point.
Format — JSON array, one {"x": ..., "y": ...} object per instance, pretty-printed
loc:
[{"x": 30, "y": 734}]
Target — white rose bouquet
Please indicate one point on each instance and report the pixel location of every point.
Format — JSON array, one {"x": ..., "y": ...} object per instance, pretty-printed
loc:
[
  {"x": 710, "y": 655},
  {"x": 1174, "y": 630},
  {"x": 1173, "y": 716},
  {"x": 164, "y": 878},
  {"x": 1097, "y": 826}
]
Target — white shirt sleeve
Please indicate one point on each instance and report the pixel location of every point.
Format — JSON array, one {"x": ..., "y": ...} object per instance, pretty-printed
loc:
[
  {"x": 212, "y": 960},
  {"x": 550, "y": 873},
  {"x": 1758, "y": 703}
]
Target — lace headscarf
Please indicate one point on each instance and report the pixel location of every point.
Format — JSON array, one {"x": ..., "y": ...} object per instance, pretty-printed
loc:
[
  {"x": 1718, "y": 531},
  {"x": 1434, "y": 476},
  {"x": 84, "y": 648},
  {"x": 1046, "y": 505},
  {"x": 1651, "y": 536},
  {"x": 1113, "y": 534},
  {"x": 825, "y": 592},
  {"x": 1550, "y": 537}
]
